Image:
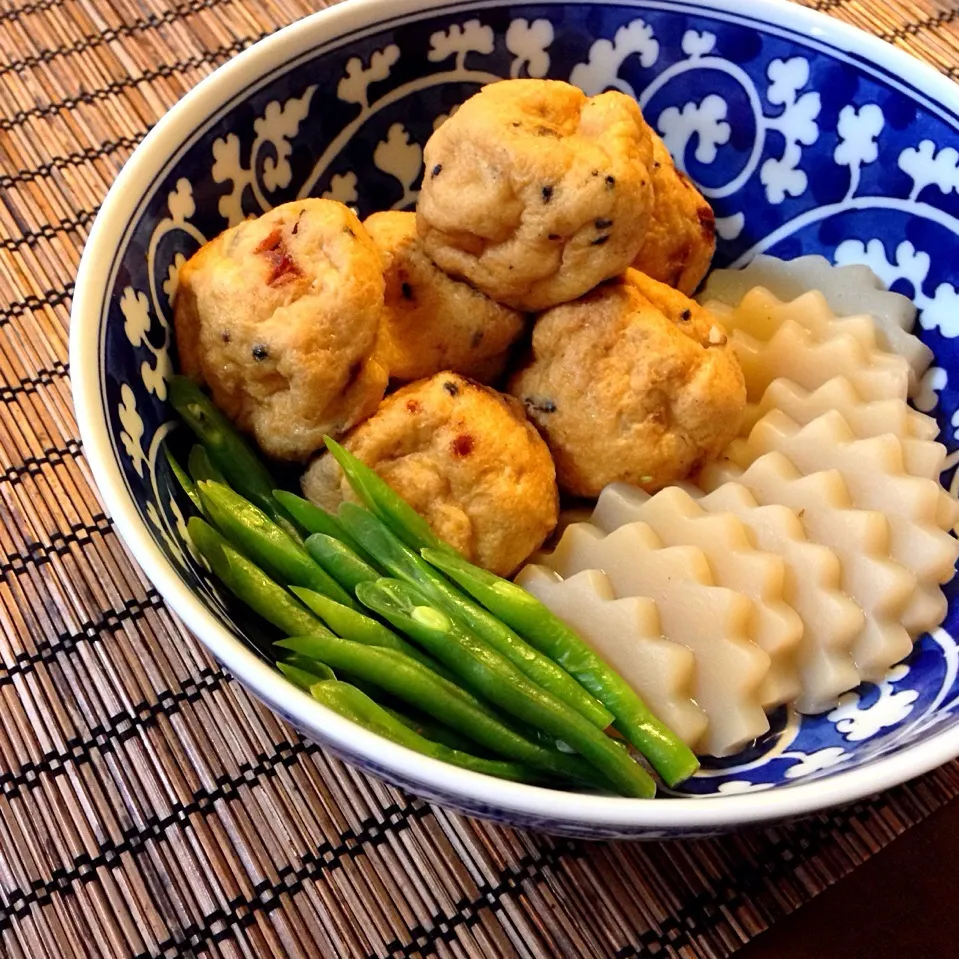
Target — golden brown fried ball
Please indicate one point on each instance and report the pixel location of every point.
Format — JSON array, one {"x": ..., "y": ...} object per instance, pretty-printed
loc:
[
  {"x": 279, "y": 317},
  {"x": 466, "y": 458},
  {"x": 534, "y": 192},
  {"x": 681, "y": 236},
  {"x": 433, "y": 322},
  {"x": 634, "y": 382}
]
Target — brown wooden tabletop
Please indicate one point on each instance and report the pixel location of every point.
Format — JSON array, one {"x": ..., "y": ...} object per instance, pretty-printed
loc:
[{"x": 900, "y": 904}]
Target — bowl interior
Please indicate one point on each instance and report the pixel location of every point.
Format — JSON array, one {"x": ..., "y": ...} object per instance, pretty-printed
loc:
[{"x": 802, "y": 143}]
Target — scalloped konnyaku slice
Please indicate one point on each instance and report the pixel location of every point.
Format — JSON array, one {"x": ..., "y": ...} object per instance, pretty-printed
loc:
[
  {"x": 860, "y": 538},
  {"x": 678, "y": 520},
  {"x": 712, "y": 621},
  {"x": 875, "y": 475},
  {"x": 627, "y": 634}
]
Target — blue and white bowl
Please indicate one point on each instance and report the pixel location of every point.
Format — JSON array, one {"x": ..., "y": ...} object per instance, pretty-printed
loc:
[{"x": 807, "y": 136}]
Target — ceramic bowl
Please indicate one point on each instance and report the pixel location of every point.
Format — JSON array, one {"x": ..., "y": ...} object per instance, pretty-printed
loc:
[{"x": 807, "y": 136}]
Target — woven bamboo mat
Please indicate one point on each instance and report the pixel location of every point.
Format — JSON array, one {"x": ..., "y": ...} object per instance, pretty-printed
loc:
[{"x": 150, "y": 807}]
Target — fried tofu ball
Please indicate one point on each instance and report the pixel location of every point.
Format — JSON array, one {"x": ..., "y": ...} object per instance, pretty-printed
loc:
[
  {"x": 534, "y": 192},
  {"x": 433, "y": 322},
  {"x": 279, "y": 317},
  {"x": 633, "y": 383},
  {"x": 466, "y": 458},
  {"x": 681, "y": 236}
]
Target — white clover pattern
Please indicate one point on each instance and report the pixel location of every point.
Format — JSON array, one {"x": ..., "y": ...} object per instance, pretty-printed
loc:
[
  {"x": 343, "y": 188},
  {"x": 808, "y": 763},
  {"x": 797, "y": 123},
  {"x": 730, "y": 227},
  {"x": 939, "y": 311},
  {"x": 355, "y": 84},
  {"x": 858, "y": 131},
  {"x": 458, "y": 41},
  {"x": 145, "y": 317},
  {"x": 172, "y": 280},
  {"x": 131, "y": 436},
  {"x": 402, "y": 159},
  {"x": 705, "y": 120},
  {"x": 529, "y": 43},
  {"x": 926, "y": 166},
  {"x": 696, "y": 45},
  {"x": 738, "y": 787},
  {"x": 890, "y": 708},
  {"x": 276, "y": 128},
  {"x": 601, "y": 71},
  {"x": 933, "y": 381}
]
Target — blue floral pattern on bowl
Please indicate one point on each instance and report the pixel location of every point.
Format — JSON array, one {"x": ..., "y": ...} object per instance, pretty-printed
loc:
[{"x": 786, "y": 144}]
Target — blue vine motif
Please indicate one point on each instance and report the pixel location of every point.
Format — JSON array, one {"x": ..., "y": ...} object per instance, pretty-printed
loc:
[{"x": 800, "y": 150}]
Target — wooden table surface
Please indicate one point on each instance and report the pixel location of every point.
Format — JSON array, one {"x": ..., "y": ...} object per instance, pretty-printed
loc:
[{"x": 901, "y": 904}]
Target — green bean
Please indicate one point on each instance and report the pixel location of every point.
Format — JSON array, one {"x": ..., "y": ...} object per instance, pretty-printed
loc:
[
  {"x": 354, "y": 705},
  {"x": 304, "y": 672},
  {"x": 667, "y": 753},
  {"x": 256, "y": 535},
  {"x": 436, "y": 732},
  {"x": 496, "y": 679},
  {"x": 314, "y": 519},
  {"x": 183, "y": 478},
  {"x": 227, "y": 449},
  {"x": 249, "y": 583},
  {"x": 413, "y": 683},
  {"x": 201, "y": 467},
  {"x": 383, "y": 501},
  {"x": 351, "y": 624},
  {"x": 341, "y": 561},
  {"x": 403, "y": 563}
]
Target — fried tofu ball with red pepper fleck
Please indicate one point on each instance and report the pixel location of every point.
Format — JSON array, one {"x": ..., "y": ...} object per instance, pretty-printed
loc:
[
  {"x": 681, "y": 236},
  {"x": 433, "y": 322},
  {"x": 534, "y": 192},
  {"x": 633, "y": 383},
  {"x": 466, "y": 458},
  {"x": 279, "y": 317}
]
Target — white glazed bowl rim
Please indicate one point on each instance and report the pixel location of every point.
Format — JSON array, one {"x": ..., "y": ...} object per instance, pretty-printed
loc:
[{"x": 505, "y": 799}]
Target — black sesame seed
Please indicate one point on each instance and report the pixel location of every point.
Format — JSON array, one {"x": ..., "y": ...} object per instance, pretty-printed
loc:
[
  {"x": 451, "y": 388},
  {"x": 600, "y": 240},
  {"x": 554, "y": 236},
  {"x": 436, "y": 171},
  {"x": 686, "y": 315},
  {"x": 260, "y": 352},
  {"x": 547, "y": 194},
  {"x": 595, "y": 173},
  {"x": 225, "y": 336},
  {"x": 348, "y": 230},
  {"x": 539, "y": 406},
  {"x": 603, "y": 223},
  {"x": 407, "y": 291},
  {"x": 657, "y": 165},
  {"x": 610, "y": 181},
  {"x": 516, "y": 123}
]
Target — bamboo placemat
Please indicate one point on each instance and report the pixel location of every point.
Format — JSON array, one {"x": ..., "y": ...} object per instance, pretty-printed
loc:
[{"x": 148, "y": 806}]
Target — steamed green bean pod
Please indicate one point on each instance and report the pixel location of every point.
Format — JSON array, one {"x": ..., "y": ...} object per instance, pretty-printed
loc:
[
  {"x": 494, "y": 677},
  {"x": 266, "y": 543},
  {"x": 354, "y": 705},
  {"x": 415, "y": 684},
  {"x": 669, "y": 755},
  {"x": 403, "y": 563}
]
